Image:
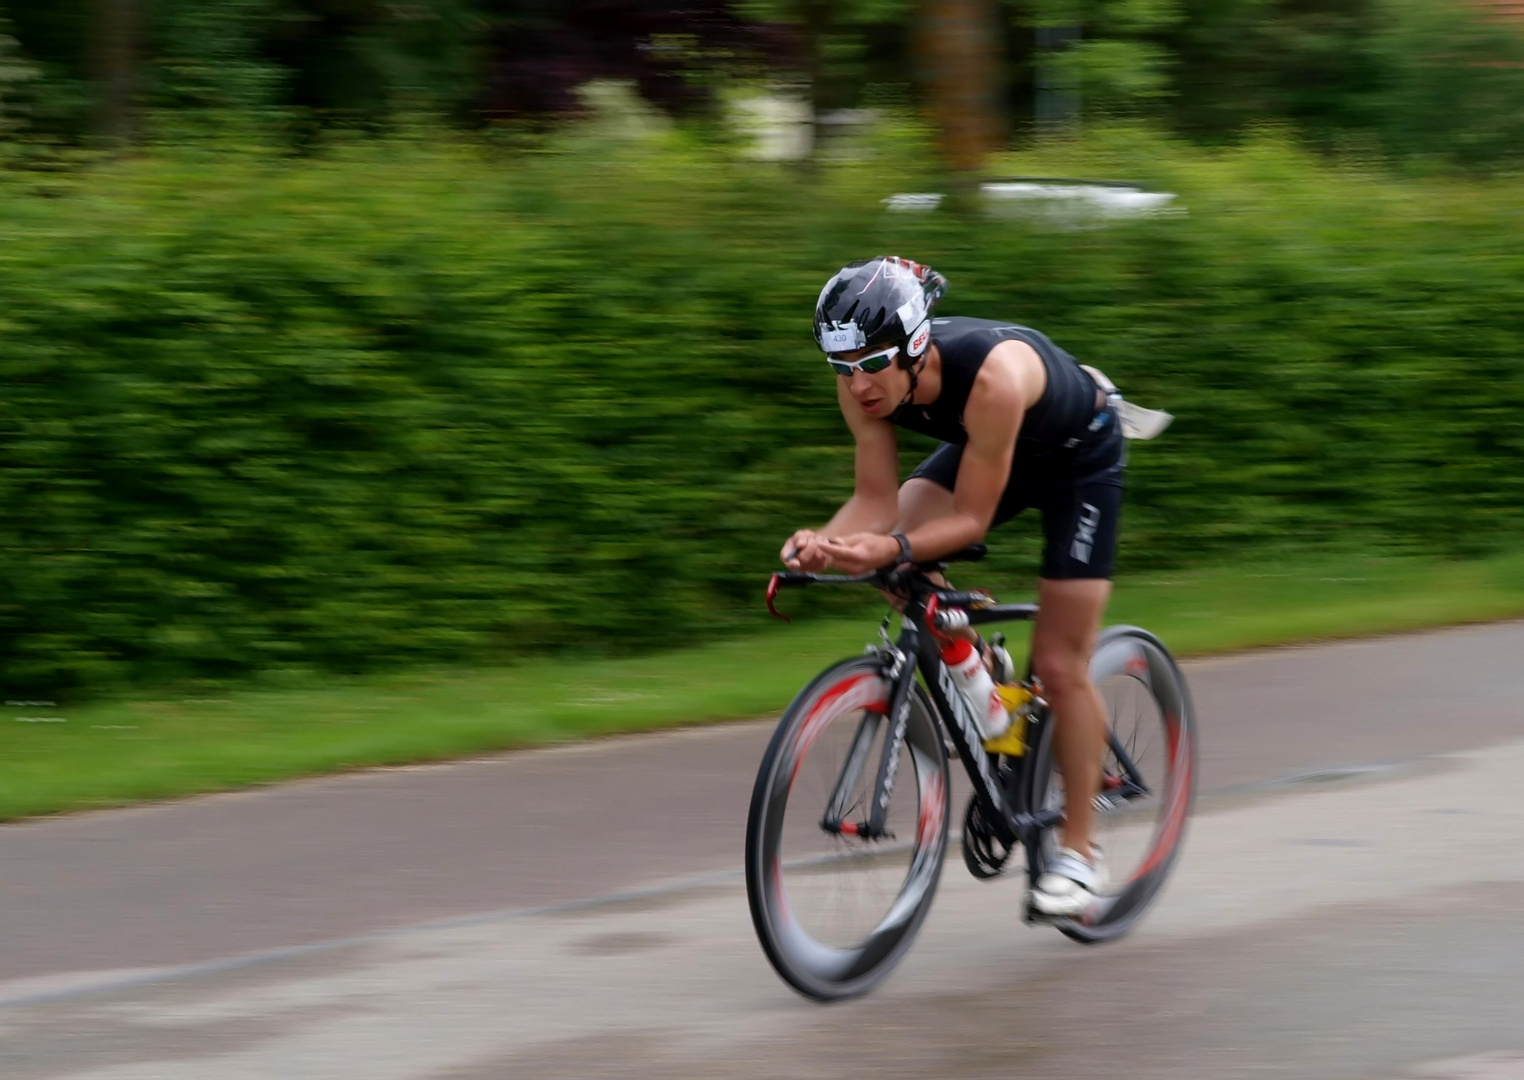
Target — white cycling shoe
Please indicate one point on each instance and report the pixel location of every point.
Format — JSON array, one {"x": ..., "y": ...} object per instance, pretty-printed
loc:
[{"x": 1071, "y": 883}]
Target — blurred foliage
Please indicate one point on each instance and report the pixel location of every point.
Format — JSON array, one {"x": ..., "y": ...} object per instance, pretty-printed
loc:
[
  {"x": 1439, "y": 80},
  {"x": 364, "y": 63},
  {"x": 1118, "y": 64},
  {"x": 842, "y": 47},
  {"x": 15, "y": 75},
  {"x": 42, "y": 59},
  {"x": 1455, "y": 87},
  {"x": 1434, "y": 81},
  {"x": 1308, "y": 62},
  {"x": 210, "y": 63},
  {"x": 403, "y": 402},
  {"x": 540, "y": 51}
]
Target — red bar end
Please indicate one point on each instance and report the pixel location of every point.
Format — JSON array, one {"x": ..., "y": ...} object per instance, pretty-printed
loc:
[{"x": 772, "y": 592}]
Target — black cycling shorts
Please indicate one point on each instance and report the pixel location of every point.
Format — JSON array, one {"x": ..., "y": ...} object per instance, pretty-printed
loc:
[{"x": 1079, "y": 492}]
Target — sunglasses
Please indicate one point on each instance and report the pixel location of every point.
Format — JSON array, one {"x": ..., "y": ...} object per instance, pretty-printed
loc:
[{"x": 873, "y": 363}]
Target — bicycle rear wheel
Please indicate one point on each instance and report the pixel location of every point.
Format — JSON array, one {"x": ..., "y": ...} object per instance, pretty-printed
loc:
[
  {"x": 1148, "y": 779},
  {"x": 834, "y": 911}
]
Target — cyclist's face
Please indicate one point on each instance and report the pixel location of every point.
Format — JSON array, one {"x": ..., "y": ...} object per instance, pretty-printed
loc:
[{"x": 878, "y": 393}]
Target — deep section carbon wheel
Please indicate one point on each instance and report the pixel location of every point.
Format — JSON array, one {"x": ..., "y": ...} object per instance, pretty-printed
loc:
[
  {"x": 835, "y": 910},
  {"x": 1148, "y": 778}
]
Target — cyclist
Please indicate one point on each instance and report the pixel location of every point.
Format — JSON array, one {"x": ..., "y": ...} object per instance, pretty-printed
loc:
[{"x": 1022, "y": 425}]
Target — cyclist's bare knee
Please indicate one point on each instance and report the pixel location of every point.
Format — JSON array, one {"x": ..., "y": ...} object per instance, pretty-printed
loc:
[
  {"x": 1065, "y": 634},
  {"x": 1064, "y": 673}
]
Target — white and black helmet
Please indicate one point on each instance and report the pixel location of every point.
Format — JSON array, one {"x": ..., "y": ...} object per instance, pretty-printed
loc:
[{"x": 880, "y": 301}]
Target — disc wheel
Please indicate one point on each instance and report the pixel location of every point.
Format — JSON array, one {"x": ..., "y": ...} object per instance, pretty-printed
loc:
[
  {"x": 835, "y": 911},
  {"x": 1148, "y": 779}
]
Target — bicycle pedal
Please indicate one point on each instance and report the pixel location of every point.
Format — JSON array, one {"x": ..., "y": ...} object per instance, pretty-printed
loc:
[{"x": 1033, "y": 917}]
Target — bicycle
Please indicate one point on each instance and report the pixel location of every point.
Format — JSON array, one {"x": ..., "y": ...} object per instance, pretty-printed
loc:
[{"x": 837, "y": 758}]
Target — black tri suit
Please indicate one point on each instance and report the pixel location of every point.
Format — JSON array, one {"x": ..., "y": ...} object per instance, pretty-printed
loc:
[{"x": 1070, "y": 454}]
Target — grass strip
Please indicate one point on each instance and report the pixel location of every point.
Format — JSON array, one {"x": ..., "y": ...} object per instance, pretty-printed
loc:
[{"x": 117, "y": 752}]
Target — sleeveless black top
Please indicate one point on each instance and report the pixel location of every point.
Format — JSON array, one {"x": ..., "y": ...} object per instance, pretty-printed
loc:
[{"x": 1059, "y": 419}]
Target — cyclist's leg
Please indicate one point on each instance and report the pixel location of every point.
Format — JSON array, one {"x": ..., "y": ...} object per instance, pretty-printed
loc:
[
  {"x": 928, "y": 495},
  {"x": 1068, "y": 621},
  {"x": 1080, "y": 518},
  {"x": 922, "y": 500}
]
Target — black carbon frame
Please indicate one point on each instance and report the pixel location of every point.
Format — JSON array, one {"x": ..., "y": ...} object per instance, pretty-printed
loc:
[{"x": 1004, "y": 798}]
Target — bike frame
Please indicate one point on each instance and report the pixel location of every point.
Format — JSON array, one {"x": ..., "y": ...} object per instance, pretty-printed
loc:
[{"x": 1003, "y": 791}]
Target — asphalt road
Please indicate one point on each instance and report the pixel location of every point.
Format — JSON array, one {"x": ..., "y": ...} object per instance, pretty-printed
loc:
[{"x": 377, "y": 925}]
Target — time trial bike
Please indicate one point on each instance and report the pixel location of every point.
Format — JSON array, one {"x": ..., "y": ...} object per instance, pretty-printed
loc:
[{"x": 850, "y": 814}]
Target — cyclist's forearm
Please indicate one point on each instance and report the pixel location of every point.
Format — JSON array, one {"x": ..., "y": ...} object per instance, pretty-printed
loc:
[{"x": 944, "y": 536}]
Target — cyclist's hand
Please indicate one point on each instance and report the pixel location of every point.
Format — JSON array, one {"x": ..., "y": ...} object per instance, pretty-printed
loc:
[
  {"x": 861, "y": 552},
  {"x": 803, "y": 552}
]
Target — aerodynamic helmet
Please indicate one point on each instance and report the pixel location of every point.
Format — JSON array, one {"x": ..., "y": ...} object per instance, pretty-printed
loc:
[{"x": 880, "y": 301}]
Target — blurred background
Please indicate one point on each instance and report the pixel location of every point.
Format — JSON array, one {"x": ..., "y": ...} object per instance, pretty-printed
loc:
[
  {"x": 341, "y": 335},
  {"x": 385, "y": 381}
]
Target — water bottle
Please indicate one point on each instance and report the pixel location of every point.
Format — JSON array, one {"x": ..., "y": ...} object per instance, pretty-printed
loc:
[{"x": 973, "y": 679}]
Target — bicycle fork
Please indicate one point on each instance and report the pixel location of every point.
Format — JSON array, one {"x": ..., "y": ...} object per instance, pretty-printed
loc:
[{"x": 902, "y": 679}]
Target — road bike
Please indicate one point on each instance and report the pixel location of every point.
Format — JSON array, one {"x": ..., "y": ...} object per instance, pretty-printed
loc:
[{"x": 849, "y": 817}]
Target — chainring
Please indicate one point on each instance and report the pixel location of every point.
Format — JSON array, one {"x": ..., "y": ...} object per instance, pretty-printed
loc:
[{"x": 983, "y": 853}]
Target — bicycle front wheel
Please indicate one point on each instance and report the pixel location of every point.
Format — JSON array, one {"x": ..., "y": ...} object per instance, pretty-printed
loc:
[{"x": 835, "y": 911}]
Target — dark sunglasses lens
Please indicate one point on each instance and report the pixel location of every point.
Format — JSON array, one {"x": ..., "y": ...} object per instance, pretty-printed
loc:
[
  {"x": 840, "y": 368},
  {"x": 874, "y": 364}
]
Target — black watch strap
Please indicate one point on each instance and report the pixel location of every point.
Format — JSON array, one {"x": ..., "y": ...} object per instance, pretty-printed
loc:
[{"x": 904, "y": 556}]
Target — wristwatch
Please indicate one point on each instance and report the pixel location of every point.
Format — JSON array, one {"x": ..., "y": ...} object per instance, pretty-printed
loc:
[{"x": 904, "y": 555}]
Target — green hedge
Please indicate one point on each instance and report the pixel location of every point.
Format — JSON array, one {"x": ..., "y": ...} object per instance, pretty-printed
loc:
[{"x": 411, "y": 403}]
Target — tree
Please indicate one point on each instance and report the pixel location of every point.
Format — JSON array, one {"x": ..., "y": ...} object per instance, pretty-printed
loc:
[
  {"x": 539, "y": 51},
  {"x": 961, "y": 64},
  {"x": 115, "y": 51}
]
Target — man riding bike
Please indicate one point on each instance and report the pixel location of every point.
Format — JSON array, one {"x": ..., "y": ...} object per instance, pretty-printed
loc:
[{"x": 1022, "y": 425}]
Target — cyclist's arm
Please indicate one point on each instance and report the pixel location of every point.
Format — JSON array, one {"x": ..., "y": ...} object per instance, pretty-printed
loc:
[
  {"x": 875, "y": 502},
  {"x": 874, "y": 505}
]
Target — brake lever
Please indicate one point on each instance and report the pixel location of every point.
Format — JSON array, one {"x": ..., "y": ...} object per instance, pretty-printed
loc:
[{"x": 772, "y": 592}]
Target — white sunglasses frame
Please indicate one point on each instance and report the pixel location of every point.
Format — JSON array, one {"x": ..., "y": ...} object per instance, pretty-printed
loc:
[{"x": 892, "y": 351}]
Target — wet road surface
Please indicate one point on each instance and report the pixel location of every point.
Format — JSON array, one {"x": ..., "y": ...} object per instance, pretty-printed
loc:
[{"x": 1367, "y": 926}]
